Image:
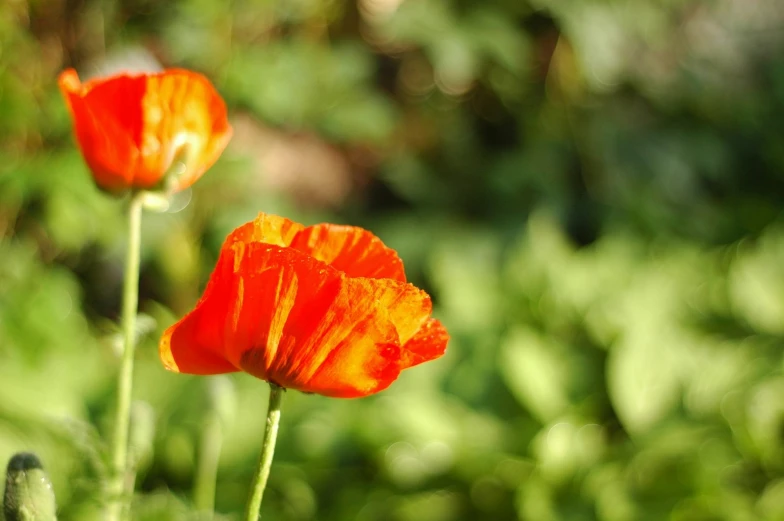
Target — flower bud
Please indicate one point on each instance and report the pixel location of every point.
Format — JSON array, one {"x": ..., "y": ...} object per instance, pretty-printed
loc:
[{"x": 28, "y": 490}]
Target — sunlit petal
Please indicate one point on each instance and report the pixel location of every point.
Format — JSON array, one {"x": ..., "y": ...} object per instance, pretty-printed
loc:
[
  {"x": 132, "y": 128},
  {"x": 427, "y": 344},
  {"x": 301, "y": 317},
  {"x": 352, "y": 250}
]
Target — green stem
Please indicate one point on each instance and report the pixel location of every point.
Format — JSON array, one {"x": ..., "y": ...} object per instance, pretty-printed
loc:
[
  {"x": 267, "y": 451},
  {"x": 207, "y": 470},
  {"x": 116, "y": 508}
]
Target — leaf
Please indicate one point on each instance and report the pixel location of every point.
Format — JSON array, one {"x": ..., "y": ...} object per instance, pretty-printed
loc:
[
  {"x": 535, "y": 373},
  {"x": 642, "y": 381},
  {"x": 756, "y": 283}
]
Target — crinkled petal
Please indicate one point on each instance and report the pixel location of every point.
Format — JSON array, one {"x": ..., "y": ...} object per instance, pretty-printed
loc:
[
  {"x": 267, "y": 228},
  {"x": 354, "y": 251},
  {"x": 286, "y": 316},
  {"x": 427, "y": 344},
  {"x": 352, "y": 351},
  {"x": 246, "y": 306},
  {"x": 408, "y": 306},
  {"x": 355, "y": 349}
]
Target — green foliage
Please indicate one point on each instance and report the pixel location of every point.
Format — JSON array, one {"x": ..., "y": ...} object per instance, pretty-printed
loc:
[{"x": 589, "y": 190}]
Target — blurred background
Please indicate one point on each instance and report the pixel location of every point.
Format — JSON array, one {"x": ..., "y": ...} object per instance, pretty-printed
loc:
[{"x": 591, "y": 191}]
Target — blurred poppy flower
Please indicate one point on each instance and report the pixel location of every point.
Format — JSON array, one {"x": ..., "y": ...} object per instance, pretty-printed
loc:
[
  {"x": 132, "y": 128},
  {"x": 323, "y": 309}
]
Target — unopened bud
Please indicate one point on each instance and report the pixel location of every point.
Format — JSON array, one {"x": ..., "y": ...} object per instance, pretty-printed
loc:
[{"x": 28, "y": 491}]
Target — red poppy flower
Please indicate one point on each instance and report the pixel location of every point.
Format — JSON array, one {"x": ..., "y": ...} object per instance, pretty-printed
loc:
[
  {"x": 132, "y": 128},
  {"x": 323, "y": 309}
]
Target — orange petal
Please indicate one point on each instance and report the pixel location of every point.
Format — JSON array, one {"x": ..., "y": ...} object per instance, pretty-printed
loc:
[
  {"x": 267, "y": 228},
  {"x": 368, "y": 356},
  {"x": 183, "y": 115},
  {"x": 200, "y": 342},
  {"x": 427, "y": 344},
  {"x": 351, "y": 351},
  {"x": 131, "y": 128},
  {"x": 195, "y": 344},
  {"x": 408, "y": 306},
  {"x": 354, "y": 251},
  {"x": 286, "y": 317},
  {"x": 241, "y": 317},
  {"x": 107, "y": 130}
]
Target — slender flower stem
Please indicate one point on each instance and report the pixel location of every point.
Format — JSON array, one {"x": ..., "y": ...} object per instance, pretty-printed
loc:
[
  {"x": 116, "y": 507},
  {"x": 267, "y": 451}
]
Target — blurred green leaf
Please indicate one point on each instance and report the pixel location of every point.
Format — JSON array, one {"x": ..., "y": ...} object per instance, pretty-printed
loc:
[{"x": 535, "y": 373}]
